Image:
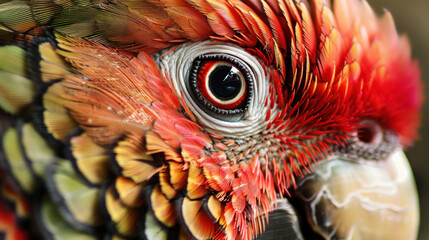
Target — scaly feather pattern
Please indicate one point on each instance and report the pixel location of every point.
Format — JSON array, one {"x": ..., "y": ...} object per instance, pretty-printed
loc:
[{"x": 136, "y": 160}]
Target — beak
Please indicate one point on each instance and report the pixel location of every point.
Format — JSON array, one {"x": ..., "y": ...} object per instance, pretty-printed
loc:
[{"x": 358, "y": 199}]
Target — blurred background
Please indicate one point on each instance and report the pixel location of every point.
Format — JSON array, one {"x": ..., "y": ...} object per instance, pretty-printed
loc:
[{"x": 412, "y": 18}]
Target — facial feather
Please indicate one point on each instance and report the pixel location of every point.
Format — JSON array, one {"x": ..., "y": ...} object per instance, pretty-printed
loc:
[{"x": 319, "y": 73}]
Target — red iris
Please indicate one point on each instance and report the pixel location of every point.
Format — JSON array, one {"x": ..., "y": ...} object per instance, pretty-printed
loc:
[{"x": 222, "y": 84}]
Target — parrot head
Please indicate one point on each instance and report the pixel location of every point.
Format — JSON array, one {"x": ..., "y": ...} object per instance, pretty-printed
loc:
[{"x": 227, "y": 119}]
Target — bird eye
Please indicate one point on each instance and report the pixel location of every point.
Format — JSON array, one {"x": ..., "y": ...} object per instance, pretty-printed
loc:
[
  {"x": 220, "y": 83},
  {"x": 370, "y": 141},
  {"x": 370, "y": 133}
]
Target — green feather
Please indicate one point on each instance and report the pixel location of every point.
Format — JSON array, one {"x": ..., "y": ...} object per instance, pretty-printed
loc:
[
  {"x": 16, "y": 90},
  {"x": 54, "y": 227},
  {"x": 79, "y": 203}
]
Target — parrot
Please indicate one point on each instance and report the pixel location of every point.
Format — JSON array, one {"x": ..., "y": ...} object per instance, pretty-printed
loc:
[{"x": 206, "y": 119}]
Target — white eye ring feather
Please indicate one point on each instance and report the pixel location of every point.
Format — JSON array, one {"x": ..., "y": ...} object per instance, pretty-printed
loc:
[{"x": 177, "y": 64}]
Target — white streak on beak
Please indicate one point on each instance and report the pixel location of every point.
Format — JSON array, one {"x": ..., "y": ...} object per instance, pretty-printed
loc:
[{"x": 362, "y": 199}]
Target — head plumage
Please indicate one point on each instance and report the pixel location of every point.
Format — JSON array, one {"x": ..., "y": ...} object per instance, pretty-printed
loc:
[{"x": 340, "y": 55}]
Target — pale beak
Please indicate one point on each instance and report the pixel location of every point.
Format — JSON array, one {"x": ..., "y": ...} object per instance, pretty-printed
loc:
[{"x": 359, "y": 199}]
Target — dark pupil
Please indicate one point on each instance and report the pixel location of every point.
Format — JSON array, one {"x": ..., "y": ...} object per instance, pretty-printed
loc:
[{"x": 225, "y": 82}]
